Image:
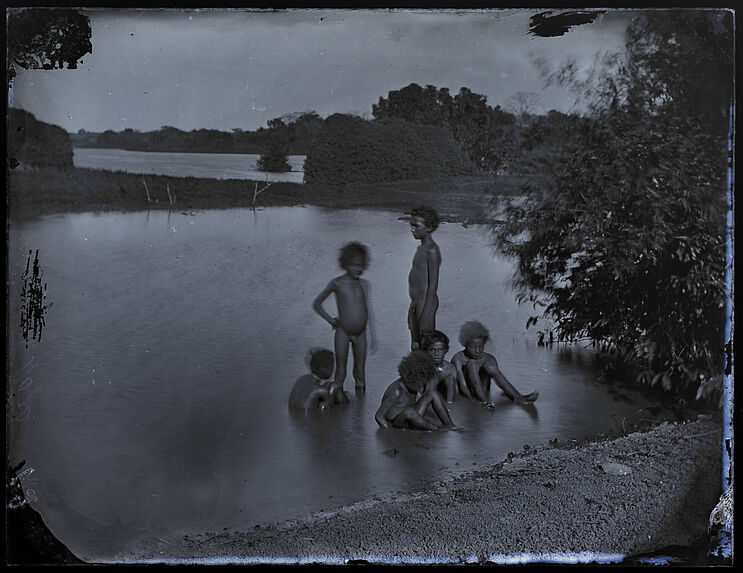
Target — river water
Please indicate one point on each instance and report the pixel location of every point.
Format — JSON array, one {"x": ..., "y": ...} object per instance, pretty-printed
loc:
[
  {"x": 155, "y": 404},
  {"x": 203, "y": 165}
]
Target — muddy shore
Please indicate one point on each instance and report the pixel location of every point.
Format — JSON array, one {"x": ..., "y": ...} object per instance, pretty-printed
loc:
[{"x": 605, "y": 500}]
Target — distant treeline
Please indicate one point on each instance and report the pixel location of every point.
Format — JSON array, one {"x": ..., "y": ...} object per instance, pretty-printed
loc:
[
  {"x": 297, "y": 133},
  {"x": 415, "y": 133}
]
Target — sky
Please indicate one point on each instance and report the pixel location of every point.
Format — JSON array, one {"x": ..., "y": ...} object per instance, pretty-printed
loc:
[{"x": 226, "y": 69}]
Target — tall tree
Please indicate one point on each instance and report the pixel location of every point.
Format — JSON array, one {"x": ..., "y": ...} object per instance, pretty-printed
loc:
[
  {"x": 477, "y": 126},
  {"x": 625, "y": 244}
]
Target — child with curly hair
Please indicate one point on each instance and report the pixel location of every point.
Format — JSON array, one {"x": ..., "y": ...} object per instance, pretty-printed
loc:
[
  {"x": 315, "y": 391},
  {"x": 353, "y": 300},
  {"x": 407, "y": 400},
  {"x": 436, "y": 343},
  {"x": 476, "y": 369},
  {"x": 423, "y": 279}
]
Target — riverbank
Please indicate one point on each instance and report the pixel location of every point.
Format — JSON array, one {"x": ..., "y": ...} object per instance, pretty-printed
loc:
[
  {"x": 605, "y": 500},
  {"x": 33, "y": 193}
]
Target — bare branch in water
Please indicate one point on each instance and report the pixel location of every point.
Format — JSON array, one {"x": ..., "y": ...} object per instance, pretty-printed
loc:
[{"x": 147, "y": 190}]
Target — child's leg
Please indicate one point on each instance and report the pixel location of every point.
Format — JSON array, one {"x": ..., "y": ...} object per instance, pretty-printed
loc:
[
  {"x": 427, "y": 320},
  {"x": 433, "y": 398},
  {"x": 341, "y": 355},
  {"x": 413, "y": 326},
  {"x": 409, "y": 417},
  {"x": 451, "y": 387},
  {"x": 508, "y": 388},
  {"x": 358, "y": 344},
  {"x": 477, "y": 387}
]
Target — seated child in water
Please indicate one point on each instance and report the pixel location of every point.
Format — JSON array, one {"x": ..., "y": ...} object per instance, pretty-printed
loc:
[
  {"x": 314, "y": 391},
  {"x": 406, "y": 401},
  {"x": 476, "y": 369},
  {"x": 353, "y": 299},
  {"x": 436, "y": 343}
]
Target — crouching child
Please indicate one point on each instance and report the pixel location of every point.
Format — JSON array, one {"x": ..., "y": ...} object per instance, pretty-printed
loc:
[{"x": 407, "y": 401}]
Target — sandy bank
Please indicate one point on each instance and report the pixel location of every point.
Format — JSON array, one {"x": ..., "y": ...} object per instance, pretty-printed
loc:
[{"x": 619, "y": 497}]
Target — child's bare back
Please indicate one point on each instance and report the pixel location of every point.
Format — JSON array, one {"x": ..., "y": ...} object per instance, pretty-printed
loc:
[{"x": 313, "y": 391}]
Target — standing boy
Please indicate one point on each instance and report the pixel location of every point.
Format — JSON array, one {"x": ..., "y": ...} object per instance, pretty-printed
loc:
[
  {"x": 423, "y": 280},
  {"x": 353, "y": 299}
]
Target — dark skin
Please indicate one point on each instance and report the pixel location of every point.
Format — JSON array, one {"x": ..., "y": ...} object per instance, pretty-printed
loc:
[
  {"x": 445, "y": 372},
  {"x": 404, "y": 405},
  {"x": 476, "y": 369},
  {"x": 309, "y": 393},
  {"x": 353, "y": 299},
  {"x": 423, "y": 282}
]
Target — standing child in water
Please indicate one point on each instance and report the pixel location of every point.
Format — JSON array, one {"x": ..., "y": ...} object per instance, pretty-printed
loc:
[
  {"x": 476, "y": 368},
  {"x": 423, "y": 280},
  {"x": 314, "y": 391},
  {"x": 353, "y": 299}
]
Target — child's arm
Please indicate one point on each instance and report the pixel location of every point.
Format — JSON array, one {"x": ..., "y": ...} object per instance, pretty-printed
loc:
[
  {"x": 370, "y": 316},
  {"x": 388, "y": 400},
  {"x": 433, "y": 262},
  {"x": 458, "y": 363},
  {"x": 450, "y": 380},
  {"x": 317, "y": 304},
  {"x": 320, "y": 396}
]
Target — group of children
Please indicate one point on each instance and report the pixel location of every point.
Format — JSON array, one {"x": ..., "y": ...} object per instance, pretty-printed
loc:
[{"x": 417, "y": 399}]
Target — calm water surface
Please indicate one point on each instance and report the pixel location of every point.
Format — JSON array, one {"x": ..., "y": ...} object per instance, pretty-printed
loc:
[
  {"x": 155, "y": 404},
  {"x": 205, "y": 165}
]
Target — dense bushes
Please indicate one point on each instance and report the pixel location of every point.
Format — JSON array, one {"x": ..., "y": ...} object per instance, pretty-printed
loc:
[
  {"x": 625, "y": 246},
  {"x": 484, "y": 132},
  {"x": 35, "y": 144},
  {"x": 350, "y": 150}
]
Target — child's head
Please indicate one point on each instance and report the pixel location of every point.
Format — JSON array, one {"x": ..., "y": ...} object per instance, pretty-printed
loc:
[
  {"x": 473, "y": 336},
  {"x": 436, "y": 343},
  {"x": 416, "y": 369},
  {"x": 321, "y": 363},
  {"x": 354, "y": 258},
  {"x": 423, "y": 218}
]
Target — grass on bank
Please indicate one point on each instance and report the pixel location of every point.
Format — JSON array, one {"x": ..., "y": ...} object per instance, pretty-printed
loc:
[{"x": 47, "y": 191}]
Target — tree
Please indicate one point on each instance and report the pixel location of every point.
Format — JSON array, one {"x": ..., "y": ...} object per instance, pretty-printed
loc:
[
  {"x": 625, "y": 244},
  {"x": 523, "y": 104},
  {"x": 479, "y": 128},
  {"x": 275, "y": 158},
  {"x": 46, "y": 38}
]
